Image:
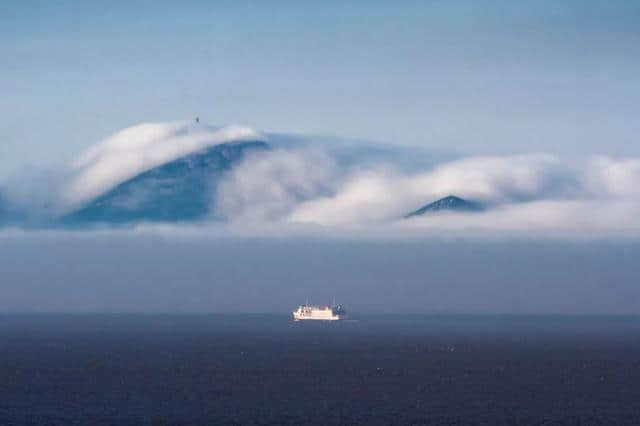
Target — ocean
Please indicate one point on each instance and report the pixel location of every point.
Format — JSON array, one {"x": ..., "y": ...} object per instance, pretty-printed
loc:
[{"x": 249, "y": 369}]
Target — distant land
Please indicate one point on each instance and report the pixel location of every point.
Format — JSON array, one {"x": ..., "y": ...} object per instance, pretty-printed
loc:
[
  {"x": 449, "y": 203},
  {"x": 180, "y": 190}
]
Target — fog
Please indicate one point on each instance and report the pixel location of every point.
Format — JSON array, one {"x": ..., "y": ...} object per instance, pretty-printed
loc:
[{"x": 133, "y": 272}]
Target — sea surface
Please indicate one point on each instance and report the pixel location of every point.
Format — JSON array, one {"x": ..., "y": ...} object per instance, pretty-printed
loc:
[{"x": 201, "y": 369}]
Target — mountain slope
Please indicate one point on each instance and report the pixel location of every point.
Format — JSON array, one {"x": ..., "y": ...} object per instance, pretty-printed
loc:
[
  {"x": 450, "y": 203},
  {"x": 9, "y": 215},
  {"x": 179, "y": 190},
  {"x": 4, "y": 210}
]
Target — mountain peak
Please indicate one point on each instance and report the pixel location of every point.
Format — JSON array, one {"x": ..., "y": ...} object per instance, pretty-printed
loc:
[{"x": 449, "y": 203}]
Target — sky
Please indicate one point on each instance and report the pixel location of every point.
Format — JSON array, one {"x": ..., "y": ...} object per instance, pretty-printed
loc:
[
  {"x": 463, "y": 76},
  {"x": 373, "y": 109}
]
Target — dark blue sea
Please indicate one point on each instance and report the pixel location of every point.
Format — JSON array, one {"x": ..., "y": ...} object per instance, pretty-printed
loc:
[{"x": 202, "y": 369}]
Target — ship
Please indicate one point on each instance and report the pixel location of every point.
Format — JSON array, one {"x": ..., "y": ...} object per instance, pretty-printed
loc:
[{"x": 322, "y": 313}]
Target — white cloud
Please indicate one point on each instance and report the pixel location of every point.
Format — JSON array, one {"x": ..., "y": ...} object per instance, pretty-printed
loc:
[
  {"x": 312, "y": 188},
  {"x": 526, "y": 193},
  {"x": 386, "y": 193},
  {"x": 607, "y": 177},
  {"x": 497, "y": 178},
  {"x": 267, "y": 186},
  {"x": 365, "y": 197}
]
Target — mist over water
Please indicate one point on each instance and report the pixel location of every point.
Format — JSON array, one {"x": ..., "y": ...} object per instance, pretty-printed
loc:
[{"x": 128, "y": 272}]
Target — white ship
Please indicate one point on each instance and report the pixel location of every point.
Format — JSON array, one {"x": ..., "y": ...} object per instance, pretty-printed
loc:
[{"x": 325, "y": 313}]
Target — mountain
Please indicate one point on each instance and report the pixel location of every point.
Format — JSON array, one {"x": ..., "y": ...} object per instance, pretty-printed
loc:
[
  {"x": 180, "y": 190},
  {"x": 4, "y": 210},
  {"x": 9, "y": 215},
  {"x": 450, "y": 203}
]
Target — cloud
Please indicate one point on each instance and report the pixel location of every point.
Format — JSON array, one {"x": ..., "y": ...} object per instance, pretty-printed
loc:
[
  {"x": 535, "y": 193},
  {"x": 366, "y": 196},
  {"x": 607, "y": 177},
  {"x": 386, "y": 193},
  {"x": 303, "y": 186},
  {"x": 268, "y": 186}
]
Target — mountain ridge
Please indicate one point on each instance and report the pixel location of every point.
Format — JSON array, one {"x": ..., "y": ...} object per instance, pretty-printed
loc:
[
  {"x": 451, "y": 203},
  {"x": 180, "y": 190}
]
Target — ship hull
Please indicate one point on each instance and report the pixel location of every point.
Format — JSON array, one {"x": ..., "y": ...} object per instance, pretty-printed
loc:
[
  {"x": 319, "y": 313},
  {"x": 299, "y": 317}
]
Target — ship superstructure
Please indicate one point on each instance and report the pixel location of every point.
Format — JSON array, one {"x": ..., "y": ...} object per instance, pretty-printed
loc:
[{"x": 323, "y": 312}]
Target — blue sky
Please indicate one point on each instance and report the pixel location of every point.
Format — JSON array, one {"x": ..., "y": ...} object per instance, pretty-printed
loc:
[{"x": 489, "y": 77}]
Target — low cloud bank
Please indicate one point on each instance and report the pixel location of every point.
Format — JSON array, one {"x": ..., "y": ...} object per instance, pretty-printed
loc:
[
  {"x": 268, "y": 186},
  {"x": 523, "y": 193},
  {"x": 302, "y": 186}
]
